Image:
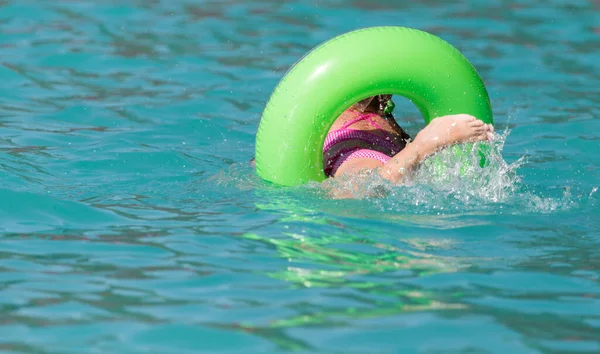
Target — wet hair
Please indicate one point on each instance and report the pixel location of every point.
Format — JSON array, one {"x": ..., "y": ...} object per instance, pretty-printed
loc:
[{"x": 375, "y": 104}]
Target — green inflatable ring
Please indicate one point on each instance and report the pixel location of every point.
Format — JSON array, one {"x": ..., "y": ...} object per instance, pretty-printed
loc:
[{"x": 430, "y": 72}]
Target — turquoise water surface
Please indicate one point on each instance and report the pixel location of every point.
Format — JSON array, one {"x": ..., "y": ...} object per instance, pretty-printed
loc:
[{"x": 131, "y": 221}]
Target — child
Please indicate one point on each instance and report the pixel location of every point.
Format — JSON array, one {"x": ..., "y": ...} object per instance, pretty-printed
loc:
[{"x": 366, "y": 136}]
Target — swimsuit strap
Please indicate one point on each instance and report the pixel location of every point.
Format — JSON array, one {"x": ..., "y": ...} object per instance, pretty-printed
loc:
[
  {"x": 345, "y": 133},
  {"x": 361, "y": 117}
]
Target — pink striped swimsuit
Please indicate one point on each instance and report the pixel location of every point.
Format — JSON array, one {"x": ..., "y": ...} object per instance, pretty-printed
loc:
[{"x": 382, "y": 148}]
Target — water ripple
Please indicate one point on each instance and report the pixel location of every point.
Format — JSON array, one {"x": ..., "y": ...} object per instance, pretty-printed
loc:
[{"x": 131, "y": 220}]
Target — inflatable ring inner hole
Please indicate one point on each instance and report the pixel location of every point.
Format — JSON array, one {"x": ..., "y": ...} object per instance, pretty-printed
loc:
[{"x": 405, "y": 112}]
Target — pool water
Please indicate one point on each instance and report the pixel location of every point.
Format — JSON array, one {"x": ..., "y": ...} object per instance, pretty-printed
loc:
[{"x": 131, "y": 221}]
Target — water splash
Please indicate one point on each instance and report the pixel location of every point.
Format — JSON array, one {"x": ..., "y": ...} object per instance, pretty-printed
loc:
[
  {"x": 464, "y": 179},
  {"x": 446, "y": 184}
]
